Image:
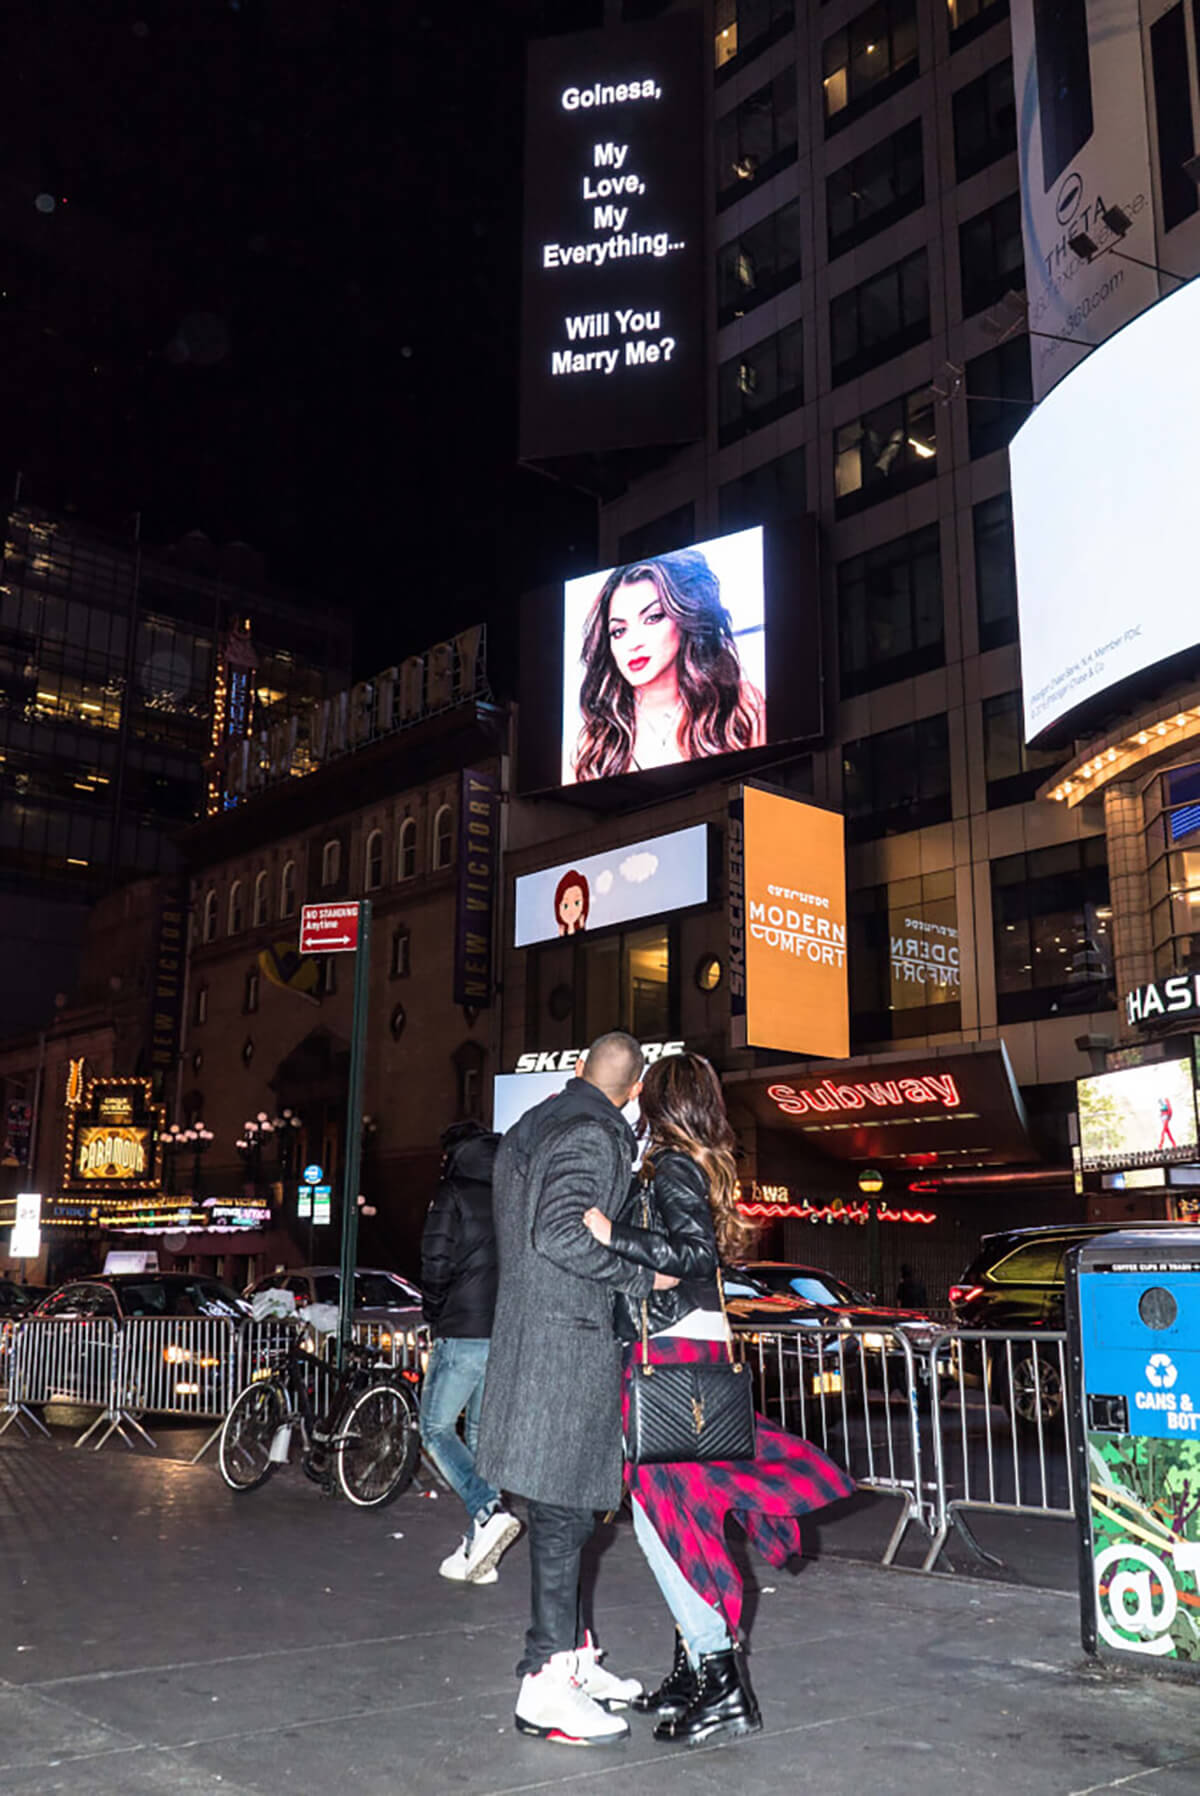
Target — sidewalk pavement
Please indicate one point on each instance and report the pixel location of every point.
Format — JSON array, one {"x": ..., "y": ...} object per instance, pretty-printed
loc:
[{"x": 162, "y": 1637}]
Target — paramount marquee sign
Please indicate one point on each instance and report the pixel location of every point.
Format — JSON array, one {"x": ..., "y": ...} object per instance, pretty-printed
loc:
[
  {"x": 1177, "y": 996},
  {"x": 112, "y": 1142}
]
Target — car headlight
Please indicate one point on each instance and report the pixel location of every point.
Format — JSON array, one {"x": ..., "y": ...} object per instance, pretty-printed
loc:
[
  {"x": 177, "y": 1356},
  {"x": 874, "y": 1340}
]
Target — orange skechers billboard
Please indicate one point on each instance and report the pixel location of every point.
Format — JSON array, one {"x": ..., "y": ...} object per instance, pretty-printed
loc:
[{"x": 787, "y": 925}]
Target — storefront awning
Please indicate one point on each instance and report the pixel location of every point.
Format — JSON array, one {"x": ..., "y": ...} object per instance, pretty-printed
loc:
[{"x": 931, "y": 1109}]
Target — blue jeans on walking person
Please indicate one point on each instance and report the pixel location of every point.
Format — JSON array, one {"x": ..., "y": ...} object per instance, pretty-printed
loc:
[
  {"x": 703, "y": 1627},
  {"x": 454, "y": 1383}
]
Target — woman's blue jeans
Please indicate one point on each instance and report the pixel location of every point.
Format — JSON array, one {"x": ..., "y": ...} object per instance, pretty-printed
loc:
[
  {"x": 703, "y": 1627},
  {"x": 454, "y": 1383}
]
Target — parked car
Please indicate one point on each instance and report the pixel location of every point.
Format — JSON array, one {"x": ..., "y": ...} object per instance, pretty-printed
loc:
[
  {"x": 191, "y": 1365},
  {"x": 20, "y": 1300},
  {"x": 764, "y": 1295},
  {"x": 1018, "y": 1281},
  {"x": 384, "y": 1302}
]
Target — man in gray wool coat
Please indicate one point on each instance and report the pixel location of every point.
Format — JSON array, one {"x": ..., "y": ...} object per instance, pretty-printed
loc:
[{"x": 550, "y": 1430}]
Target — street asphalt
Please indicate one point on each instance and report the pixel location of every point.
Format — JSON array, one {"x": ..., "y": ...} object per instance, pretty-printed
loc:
[{"x": 163, "y": 1637}]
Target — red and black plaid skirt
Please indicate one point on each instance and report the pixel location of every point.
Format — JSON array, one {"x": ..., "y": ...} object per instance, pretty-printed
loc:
[{"x": 688, "y": 1502}]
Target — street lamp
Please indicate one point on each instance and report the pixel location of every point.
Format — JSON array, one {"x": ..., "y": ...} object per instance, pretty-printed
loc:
[
  {"x": 870, "y": 1183},
  {"x": 250, "y": 1146},
  {"x": 172, "y": 1140},
  {"x": 199, "y": 1139}
]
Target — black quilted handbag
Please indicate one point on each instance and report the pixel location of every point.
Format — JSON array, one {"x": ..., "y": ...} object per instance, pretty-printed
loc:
[{"x": 692, "y": 1412}]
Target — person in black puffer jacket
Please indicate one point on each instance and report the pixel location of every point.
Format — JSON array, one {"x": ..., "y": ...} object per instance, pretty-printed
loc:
[{"x": 458, "y": 1279}]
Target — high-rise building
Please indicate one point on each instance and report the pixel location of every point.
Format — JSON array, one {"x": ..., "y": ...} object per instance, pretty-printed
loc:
[
  {"x": 869, "y": 362},
  {"x": 117, "y": 665}
]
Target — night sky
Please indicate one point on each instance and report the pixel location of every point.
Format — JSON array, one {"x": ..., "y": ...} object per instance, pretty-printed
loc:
[{"x": 260, "y": 273}]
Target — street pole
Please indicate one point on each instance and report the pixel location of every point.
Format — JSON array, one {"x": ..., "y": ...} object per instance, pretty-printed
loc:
[{"x": 354, "y": 1110}]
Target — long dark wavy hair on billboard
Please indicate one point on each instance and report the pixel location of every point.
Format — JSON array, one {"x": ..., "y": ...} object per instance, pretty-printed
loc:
[
  {"x": 722, "y": 711},
  {"x": 683, "y": 1111}
]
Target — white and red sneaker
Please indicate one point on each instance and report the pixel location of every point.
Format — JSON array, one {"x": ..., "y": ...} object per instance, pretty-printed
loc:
[
  {"x": 553, "y": 1706},
  {"x": 602, "y": 1685}
]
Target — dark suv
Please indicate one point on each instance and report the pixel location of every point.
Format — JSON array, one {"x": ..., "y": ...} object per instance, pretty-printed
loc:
[{"x": 1017, "y": 1281}]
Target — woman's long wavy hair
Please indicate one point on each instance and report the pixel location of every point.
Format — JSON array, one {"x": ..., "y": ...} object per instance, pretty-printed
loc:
[
  {"x": 683, "y": 1110},
  {"x": 721, "y": 710}
]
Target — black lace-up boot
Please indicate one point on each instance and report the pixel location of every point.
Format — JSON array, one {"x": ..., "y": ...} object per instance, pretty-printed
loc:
[
  {"x": 723, "y": 1707},
  {"x": 675, "y": 1692}
]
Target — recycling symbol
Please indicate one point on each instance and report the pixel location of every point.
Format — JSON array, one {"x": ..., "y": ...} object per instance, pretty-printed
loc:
[{"x": 1162, "y": 1371}]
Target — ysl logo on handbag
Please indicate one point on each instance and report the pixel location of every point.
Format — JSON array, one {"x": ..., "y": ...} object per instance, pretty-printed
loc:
[{"x": 698, "y": 1413}]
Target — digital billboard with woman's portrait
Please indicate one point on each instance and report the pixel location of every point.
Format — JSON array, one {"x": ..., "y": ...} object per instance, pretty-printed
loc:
[{"x": 664, "y": 660}]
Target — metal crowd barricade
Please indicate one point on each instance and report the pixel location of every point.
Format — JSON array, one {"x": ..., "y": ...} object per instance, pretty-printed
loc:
[
  {"x": 999, "y": 1423},
  {"x": 856, "y": 1394},
  {"x": 60, "y": 1361}
]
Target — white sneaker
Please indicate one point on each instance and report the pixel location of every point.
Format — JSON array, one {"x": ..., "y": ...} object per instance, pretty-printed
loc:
[
  {"x": 602, "y": 1685},
  {"x": 455, "y": 1567},
  {"x": 489, "y": 1540},
  {"x": 553, "y": 1706}
]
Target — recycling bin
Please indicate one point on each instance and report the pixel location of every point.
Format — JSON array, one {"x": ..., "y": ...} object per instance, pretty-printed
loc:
[{"x": 1133, "y": 1321}]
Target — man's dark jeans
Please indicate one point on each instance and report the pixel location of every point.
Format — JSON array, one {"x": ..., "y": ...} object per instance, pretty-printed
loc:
[{"x": 557, "y": 1538}]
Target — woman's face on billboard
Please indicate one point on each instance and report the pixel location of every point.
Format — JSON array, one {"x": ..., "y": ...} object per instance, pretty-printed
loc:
[{"x": 642, "y": 635}]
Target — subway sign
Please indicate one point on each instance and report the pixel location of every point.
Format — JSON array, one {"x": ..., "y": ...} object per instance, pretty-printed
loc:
[{"x": 1177, "y": 996}]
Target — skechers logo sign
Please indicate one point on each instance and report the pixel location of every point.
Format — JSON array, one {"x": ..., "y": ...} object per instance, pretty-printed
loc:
[
  {"x": 1177, "y": 996},
  {"x": 564, "y": 1061}
]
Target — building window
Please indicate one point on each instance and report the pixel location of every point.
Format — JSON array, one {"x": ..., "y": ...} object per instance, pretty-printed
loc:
[
  {"x": 406, "y": 852},
  {"x": 331, "y": 863},
  {"x": 760, "y": 263},
  {"x": 397, "y": 1021},
  {"x": 774, "y": 490},
  {"x": 469, "y": 1059},
  {"x": 985, "y": 121},
  {"x": 744, "y": 28},
  {"x": 1051, "y": 924},
  {"x": 1012, "y": 770},
  {"x": 443, "y": 837},
  {"x": 237, "y": 918},
  {"x": 969, "y": 17},
  {"x": 898, "y": 780},
  {"x": 905, "y": 966},
  {"x": 880, "y": 318},
  {"x": 999, "y": 387},
  {"x": 890, "y": 612},
  {"x": 629, "y": 982},
  {"x": 1172, "y": 806},
  {"x": 871, "y": 57},
  {"x": 991, "y": 256},
  {"x": 250, "y": 992},
  {"x": 327, "y": 977},
  {"x": 995, "y": 571},
  {"x": 209, "y": 932},
  {"x": 885, "y": 451},
  {"x": 287, "y": 890},
  {"x": 1173, "y": 113},
  {"x": 761, "y": 384},
  {"x": 884, "y": 184},
  {"x": 674, "y": 530},
  {"x": 260, "y": 899},
  {"x": 401, "y": 964},
  {"x": 373, "y": 867},
  {"x": 200, "y": 1007},
  {"x": 756, "y": 139}
]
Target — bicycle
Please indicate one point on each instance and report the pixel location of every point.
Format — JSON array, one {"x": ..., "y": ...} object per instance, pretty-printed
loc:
[{"x": 364, "y": 1438}]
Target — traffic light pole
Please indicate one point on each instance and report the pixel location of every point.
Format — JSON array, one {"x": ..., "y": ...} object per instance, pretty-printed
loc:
[{"x": 354, "y": 1104}]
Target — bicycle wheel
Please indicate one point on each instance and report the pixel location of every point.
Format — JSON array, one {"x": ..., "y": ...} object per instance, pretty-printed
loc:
[
  {"x": 244, "y": 1452},
  {"x": 377, "y": 1446}
]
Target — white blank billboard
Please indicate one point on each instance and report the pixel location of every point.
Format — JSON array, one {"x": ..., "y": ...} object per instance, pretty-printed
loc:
[{"x": 1105, "y": 497}]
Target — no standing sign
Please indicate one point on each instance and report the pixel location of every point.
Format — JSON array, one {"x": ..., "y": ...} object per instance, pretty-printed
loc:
[{"x": 329, "y": 929}]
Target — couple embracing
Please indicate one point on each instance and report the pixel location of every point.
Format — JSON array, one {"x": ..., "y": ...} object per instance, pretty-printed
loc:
[{"x": 582, "y": 1246}]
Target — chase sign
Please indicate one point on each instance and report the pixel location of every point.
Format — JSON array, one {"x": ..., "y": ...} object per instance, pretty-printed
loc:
[{"x": 1177, "y": 996}]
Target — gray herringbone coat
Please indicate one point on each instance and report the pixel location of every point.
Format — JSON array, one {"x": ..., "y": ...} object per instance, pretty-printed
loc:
[{"x": 551, "y": 1422}]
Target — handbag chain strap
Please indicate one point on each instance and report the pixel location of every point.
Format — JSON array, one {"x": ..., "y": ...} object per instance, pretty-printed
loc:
[{"x": 647, "y": 1368}]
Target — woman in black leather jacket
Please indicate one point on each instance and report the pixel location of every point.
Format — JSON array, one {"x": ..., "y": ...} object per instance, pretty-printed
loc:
[{"x": 682, "y": 1217}]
